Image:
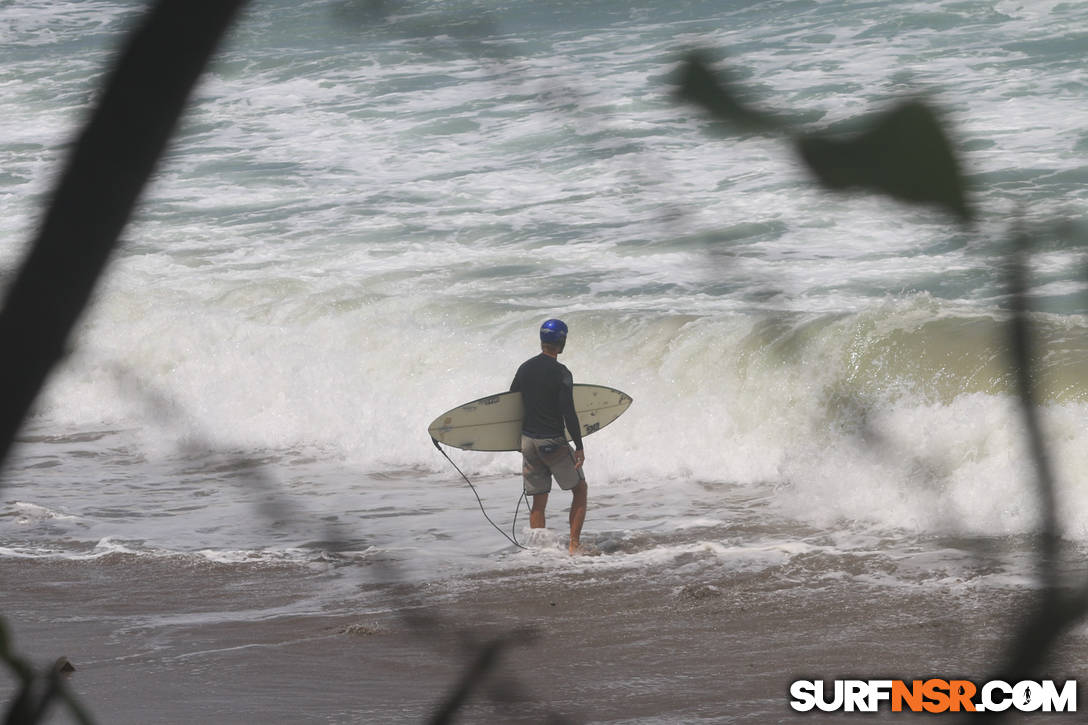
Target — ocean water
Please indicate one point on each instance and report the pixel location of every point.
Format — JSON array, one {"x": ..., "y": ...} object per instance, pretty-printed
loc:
[{"x": 370, "y": 208}]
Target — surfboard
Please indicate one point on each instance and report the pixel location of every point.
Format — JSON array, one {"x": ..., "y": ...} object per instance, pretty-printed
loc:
[{"x": 494, "y": 423}]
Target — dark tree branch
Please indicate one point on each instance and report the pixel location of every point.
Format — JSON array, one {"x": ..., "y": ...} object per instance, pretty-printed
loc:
[
  {"x": 903, "y": 153},
  {"x": 110, "y": 164}
]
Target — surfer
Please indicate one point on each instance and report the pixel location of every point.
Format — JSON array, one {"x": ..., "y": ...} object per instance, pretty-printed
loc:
[{"x": 547, "y": 391}]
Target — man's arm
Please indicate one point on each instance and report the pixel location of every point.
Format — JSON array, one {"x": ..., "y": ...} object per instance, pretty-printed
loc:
[
  {"x": 575, "y": 429},
  {"x": 570, "y": 415}
]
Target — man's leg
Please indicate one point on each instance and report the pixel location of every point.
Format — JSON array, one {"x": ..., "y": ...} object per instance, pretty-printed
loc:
[
  {"x": 577, "y": 515},
  {"x": 536, "y": 514}
]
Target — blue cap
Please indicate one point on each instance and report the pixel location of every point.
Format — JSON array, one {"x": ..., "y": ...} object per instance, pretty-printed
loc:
[{"x": 553, "y": 331}]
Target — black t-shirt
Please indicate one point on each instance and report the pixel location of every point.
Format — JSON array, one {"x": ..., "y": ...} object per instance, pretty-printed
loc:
[{"x": 547, "y": 390}]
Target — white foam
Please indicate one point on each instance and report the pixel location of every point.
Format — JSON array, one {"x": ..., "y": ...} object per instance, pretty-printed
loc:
[
  {"x": 29, "y": 513},
  {"x": 347, "y": 240}
]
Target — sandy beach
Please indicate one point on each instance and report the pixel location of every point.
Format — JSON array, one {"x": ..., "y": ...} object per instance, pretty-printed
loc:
[{"x": 196, "y": 643}]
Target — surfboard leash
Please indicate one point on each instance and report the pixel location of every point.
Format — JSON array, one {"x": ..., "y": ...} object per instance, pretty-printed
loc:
[
  {"x": 509, "y": 538},
  {"x": 514, "y": 525}
]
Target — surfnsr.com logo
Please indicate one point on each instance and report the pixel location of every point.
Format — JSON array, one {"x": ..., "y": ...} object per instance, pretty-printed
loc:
[{"x": 933, "y": 696}]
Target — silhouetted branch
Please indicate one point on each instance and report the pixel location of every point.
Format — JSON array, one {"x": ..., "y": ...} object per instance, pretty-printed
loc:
[
  {"x": 1021, "y": 348},
  {"x": 111, "y": 163},
  {"x": 1059, "y": 605},
  {"x": 712, "y": 91},
  {"x": 37, "y": 692},
  {"x": 486, "y": 660},
  {"x": 903, "y": 153}
]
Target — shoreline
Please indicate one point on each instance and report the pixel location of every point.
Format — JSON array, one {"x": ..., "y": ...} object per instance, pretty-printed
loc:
[{"x": 606, "y": 647}]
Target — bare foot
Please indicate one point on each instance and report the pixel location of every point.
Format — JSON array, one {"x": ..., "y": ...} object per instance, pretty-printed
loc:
[{"x": 584, "y": 550}]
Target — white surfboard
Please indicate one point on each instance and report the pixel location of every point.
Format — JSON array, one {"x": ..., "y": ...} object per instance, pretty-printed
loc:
[{"x": 494, "y": 423}]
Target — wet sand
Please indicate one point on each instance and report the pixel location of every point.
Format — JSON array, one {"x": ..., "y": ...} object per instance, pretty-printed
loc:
[{"x": 160, "y": 642}]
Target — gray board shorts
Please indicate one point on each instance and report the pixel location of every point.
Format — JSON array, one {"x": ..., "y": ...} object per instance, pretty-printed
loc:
[{"x": 543, "y": 458}]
